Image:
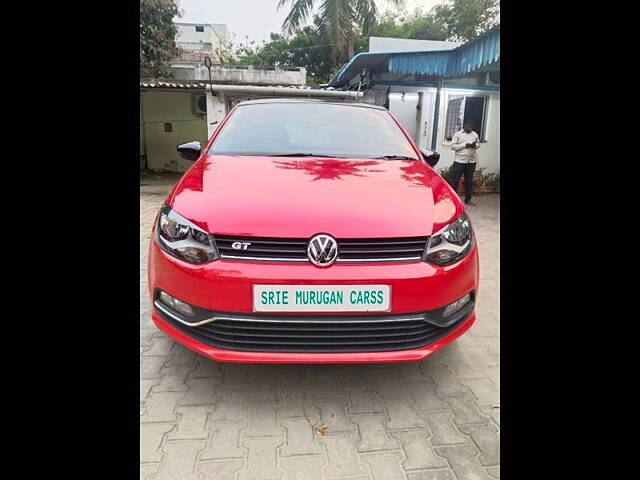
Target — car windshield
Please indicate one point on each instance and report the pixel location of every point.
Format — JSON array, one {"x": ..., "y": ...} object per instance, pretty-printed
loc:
[{"x": 312, "y": 129}]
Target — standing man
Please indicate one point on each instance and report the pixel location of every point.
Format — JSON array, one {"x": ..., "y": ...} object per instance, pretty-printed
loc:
[{"x": 465, "y": 143}]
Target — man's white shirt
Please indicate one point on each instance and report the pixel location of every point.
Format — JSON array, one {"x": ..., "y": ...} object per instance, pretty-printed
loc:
[{"x": 464, "y": 154}]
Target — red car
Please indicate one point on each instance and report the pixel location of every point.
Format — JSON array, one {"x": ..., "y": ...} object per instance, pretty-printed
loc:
[{"x": 312, "y": 232}]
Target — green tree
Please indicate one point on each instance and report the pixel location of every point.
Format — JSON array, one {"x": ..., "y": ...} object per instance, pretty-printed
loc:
[
  {"x": 304, "y": 49},
  {"x": 338, "y": 21},
  {"x": 466, "y": 19},
  {"x": 157, "y": 37}
]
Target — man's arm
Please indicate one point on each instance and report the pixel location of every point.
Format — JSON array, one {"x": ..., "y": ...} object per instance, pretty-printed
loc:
[
  {"x": 478, "y": 141},
  {"x": 456, "y": 145}
]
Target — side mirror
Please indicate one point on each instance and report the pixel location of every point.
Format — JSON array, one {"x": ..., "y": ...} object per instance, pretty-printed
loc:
[
  {"x": 431, "y": 157},
  {"x": 190, "y": 150}
]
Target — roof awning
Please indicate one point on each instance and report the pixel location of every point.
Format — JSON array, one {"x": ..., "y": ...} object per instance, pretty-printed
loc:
[
  {"x": 481, "y": 54},
  {"x": 292, "y": 91}
]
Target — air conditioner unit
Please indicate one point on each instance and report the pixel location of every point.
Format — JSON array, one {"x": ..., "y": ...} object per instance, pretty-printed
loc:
[{"x": 199, "y": 104}]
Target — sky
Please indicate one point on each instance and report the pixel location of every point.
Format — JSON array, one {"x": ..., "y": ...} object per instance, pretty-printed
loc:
[{"x": 255, "y": 18}]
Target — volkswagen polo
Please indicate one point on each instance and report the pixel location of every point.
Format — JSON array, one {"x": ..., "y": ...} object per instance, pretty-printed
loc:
[{"x": 312, "y": 232}]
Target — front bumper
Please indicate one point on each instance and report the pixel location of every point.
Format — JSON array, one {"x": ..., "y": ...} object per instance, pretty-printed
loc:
[
  {"x": 234, "y": 356},
  {"x": 226, "y": 286}
]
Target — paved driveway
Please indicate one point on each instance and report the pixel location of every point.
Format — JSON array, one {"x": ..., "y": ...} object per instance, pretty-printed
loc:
[{"x": 434, "y": 420}]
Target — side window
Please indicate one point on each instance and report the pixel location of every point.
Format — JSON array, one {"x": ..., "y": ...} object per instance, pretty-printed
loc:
[
  {"x": 462, "y": 109},
  {"x": 199, "y": 28}
]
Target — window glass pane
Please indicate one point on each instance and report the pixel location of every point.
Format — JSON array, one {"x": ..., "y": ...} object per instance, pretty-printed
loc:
[
  {"x": 316, "y": 128},
  {"x": 199, "y": 28},
  {"x": 455, "y": 116}
]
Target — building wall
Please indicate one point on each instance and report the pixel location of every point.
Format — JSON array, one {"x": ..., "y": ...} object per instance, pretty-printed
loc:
[
  {"x": 175, "y": 107},
  {"x": 192, "y": 71},
  {"x": 187, "y": 34},
  {"x": 143, "y": 151}
]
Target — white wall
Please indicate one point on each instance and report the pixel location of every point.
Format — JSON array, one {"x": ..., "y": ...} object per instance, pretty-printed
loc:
[
  {"x": 187, "y": 33},
  {"x": 175, "y": 107}
]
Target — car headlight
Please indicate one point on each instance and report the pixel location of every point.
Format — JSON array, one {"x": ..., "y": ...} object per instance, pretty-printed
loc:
[
  {"x": 451, "y": 244},
  {"x": 184, "y": 240}
]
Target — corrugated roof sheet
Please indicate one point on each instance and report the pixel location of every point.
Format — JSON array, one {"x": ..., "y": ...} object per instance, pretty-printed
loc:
[
  {"x": 454, "y": 62},
  {"x": 202, "y": 85}
]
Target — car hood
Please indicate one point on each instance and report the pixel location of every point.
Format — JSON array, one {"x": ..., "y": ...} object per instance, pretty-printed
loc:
[{"x": 299, "y": 197}]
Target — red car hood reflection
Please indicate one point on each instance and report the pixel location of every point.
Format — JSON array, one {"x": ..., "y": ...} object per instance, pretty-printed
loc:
[{"x": 299, "y": 197}]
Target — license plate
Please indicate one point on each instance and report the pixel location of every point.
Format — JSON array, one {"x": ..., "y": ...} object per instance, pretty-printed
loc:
[{"x": 321, "y": 298}]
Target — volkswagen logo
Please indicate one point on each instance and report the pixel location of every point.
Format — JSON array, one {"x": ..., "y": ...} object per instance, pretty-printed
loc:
[{"x": 322, "y": 250}]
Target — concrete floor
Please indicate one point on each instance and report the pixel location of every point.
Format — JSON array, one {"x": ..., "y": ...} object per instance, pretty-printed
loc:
[{"x": 434, "y": 420}]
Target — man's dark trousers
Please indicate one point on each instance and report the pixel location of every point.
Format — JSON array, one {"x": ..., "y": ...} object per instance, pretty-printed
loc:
[{"x": 457, "y": 170}]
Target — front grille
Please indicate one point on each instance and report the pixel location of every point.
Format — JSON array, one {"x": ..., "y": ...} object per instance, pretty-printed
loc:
[
  {"x": 295, "y": 249},
  {"x": 318, "y": 333}
]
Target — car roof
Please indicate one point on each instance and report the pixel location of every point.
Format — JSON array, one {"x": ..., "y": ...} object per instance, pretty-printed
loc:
[{"x": 308, "y": 100}]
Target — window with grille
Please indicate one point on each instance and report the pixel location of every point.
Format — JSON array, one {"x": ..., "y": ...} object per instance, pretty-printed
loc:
[{"x": 462, "y": 109}]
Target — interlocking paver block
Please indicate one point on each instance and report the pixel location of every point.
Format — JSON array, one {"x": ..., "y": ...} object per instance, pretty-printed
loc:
[
  {"x": 301, "y": 439},
  {"x": 151, "y": 435},
  {"x": 295, "y": 402},
  {"x": 485, "y": 392},
  {"x": 341, "y": 455},
  {"x": 447, "y": 383},
  {"x": 235, "y": 375},
  {"x": 191, "y": 423},
  {"x": 493, "y": 412},
  {"x": 230, "y": 404},
  {"x": 363, "y": 400},
  {"x": 303, "y": 467},
  {"x": 147, "y": 470},
  {"x": 374, "y": 436},
  {"x": 487, "y": 438},
  {"x": 146, "y": 334},
  {"x": 401, "y": 410},
  {"x": 327, "y": 388},
  {"x": 145, "y": 387},
  {"x": 220, "y": 469},
  {"x": 172, "y": 379},
  {"x": 431, "y": 475},
  {"x": 425, "y": 398},
  {"x": 182, "y": 357},
  {"x": 294, "y": 376},
  {"x": 206, "y": 369},
  {"x": 224, "y": 439},
  {"x": 200, "y": 391},
  {"x": 150, "y": 367},
  {"x": 465, "y": 410},
  {"x": 384, "y": 465},
  {"x": 264, "y": 391},
  {"x": 179, "y": 460},
  {"x": 420, "y": 454},
  {"x": 263, "y": 420},
  {"x": 494, "y": 471},
  {"x": 333, "y": 414},
  {"x": 462, "y": 459},
  {"x": 160, "y": 407},
  {"x": 261, "y": 458},
  {"x": 159, "y": 346},
  {"x": 443, "y": 430}
]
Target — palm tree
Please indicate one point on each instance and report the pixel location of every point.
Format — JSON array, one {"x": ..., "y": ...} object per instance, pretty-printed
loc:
[{"x": 338, "y": 20}]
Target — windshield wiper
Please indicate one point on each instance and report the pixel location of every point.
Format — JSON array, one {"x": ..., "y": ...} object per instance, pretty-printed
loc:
[{"x": 394, "y": 157}]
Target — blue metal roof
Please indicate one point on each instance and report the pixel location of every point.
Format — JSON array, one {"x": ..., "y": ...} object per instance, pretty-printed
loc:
[{"x": 453, "y": 62}]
